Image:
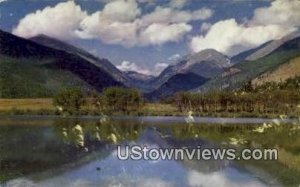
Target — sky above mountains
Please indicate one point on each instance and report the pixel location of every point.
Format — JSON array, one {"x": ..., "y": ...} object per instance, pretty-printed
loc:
[{"x": 147, "y": 35}]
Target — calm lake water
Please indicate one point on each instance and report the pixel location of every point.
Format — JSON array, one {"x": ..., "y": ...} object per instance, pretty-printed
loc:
[{"x": 45, "y": 151}]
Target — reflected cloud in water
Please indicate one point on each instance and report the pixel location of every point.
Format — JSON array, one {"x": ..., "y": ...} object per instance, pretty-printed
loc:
[{"x": 97, "y": 164}]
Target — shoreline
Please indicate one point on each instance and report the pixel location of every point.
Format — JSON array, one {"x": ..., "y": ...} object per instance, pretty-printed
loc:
[
  {"x": 157, "y": 119},
  {"x": 93, "y": 113},
  {"x": 44, "y": 107}
]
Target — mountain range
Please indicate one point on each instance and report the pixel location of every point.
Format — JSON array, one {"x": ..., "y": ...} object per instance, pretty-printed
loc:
[
  {"x": 41, "y": 65},
  {"x": 103, "y": 64},
  {"x": 29, "y": 69},
  {"x": 276, "y": 54}
]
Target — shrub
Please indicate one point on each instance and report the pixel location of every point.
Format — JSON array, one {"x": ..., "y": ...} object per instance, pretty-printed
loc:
[{"x": 69, "y": 100}]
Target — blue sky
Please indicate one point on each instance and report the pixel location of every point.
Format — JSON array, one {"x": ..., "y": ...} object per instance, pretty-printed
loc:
[{"x": 147, "y": 35}]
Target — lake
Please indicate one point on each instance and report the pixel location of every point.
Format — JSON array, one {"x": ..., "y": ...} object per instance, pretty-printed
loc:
[{"x": 53, "y": 151}]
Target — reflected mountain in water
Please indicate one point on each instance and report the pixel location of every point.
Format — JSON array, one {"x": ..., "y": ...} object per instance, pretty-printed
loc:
[{"x": 76, "y": 152}]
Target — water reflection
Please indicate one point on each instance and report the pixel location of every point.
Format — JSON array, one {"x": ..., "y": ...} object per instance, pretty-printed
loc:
[
  {"x": 85, "y": 134},
  {"x": 77, "y": 152}
]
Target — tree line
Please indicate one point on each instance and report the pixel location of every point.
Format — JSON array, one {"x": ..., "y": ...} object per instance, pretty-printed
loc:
[
  {"x": 269, "y": 98},
  {"x": 112, "y": 99}
]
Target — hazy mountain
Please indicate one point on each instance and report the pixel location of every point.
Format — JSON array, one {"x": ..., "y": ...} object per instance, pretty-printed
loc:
[
  {"x": 271, "y": 46},
  {"x": 139, "y": 80},
  {"x": 135, "y": 76},
  {"x": 207, "y": 63},
  {"x": 241, "y": 57},
  {"x": 30, "y": 69},
  {"x": 262, "y": 50},
  {"x": 178, "y": 82},
  {"x": 248, "y": 70},
  {"x": 104, "y": 64}
]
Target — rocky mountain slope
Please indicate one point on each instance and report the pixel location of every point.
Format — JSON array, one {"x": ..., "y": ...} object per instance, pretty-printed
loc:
[{"x": 178, "y": 82}]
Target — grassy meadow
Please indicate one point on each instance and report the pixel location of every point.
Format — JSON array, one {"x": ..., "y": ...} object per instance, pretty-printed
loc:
[{"x": 44, "y": 106}]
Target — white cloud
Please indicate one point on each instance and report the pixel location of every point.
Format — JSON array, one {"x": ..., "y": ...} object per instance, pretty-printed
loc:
[
  {"x": 170, "y": 15},
  {"x": 1, "y": 1},
  {"x": 60, "y": 21},
  {"x": 119, "y": 22},
  {"x": 161, "y": 33},
  {"x": 281, "y": 12},
  {"x": 159, "y": 67},
  {"x": 202, "y": 14},
  {"x": 130, "y": 66},
  {"x": 165, "y": 15},
  {"x": 111, "y": 32},
  {"x": 224, "y": 35},
  {"x": 205, "y": 27},
  {"x": 156, "y": 28},
  {"x": 268, "y": 23},
  {"x": 121, "y": 10}
]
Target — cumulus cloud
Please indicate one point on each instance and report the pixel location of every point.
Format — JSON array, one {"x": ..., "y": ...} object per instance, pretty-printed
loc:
[
  {"x": 59, "y": 21},
  {"x": 170, "y": 15},
  {"x": 281, "y": 12},
  {"x": 158, "y": 34},
  {"x": 1, "y": 1},
  {"x": 224, "y": 35},
  {"x": 131, "y": 66},
  {"x": 205, "y": 27},
  {"x": 163, "y": 25},
  {"x": 121, "y": 10},
  {"x": 131, "y": 33},
  {"x": 109, "y": 31},
  {"x": 280, "y": 18},
  {"x": 202, "y": 14},
  {"x": 119, "y": 22}
]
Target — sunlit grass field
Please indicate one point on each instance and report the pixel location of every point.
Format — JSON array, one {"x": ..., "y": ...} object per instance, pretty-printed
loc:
[
  {"x": 24, "y": 104},
  {"x": 44, "y": 106}
]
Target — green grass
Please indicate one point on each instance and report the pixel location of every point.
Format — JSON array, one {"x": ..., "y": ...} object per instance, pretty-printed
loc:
[{"x": 44, "y": 106}]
